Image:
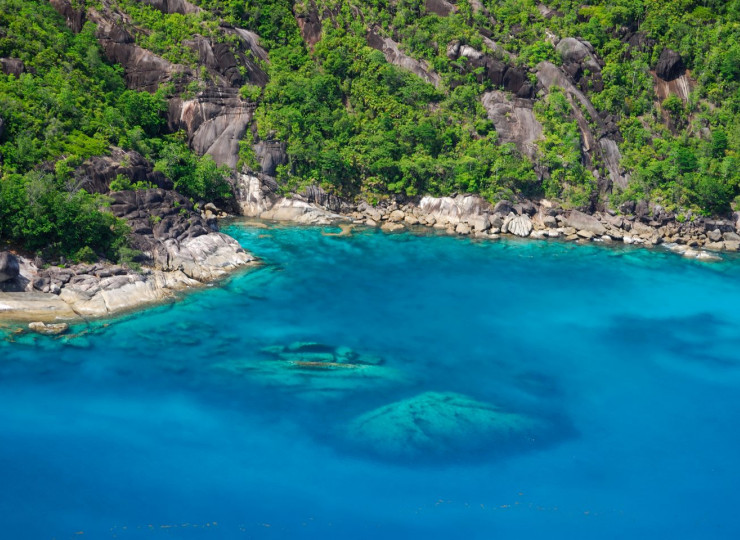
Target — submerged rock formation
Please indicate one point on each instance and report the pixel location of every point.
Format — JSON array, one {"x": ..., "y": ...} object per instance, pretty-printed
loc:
[
  {"x": 315, "y": 371},
  {"x": 439, "y": 425}
]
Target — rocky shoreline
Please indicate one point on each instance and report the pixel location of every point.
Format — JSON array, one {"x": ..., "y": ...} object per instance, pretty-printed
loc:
[
  {"x": 178, "y": 247},
  {"x": 638, "y": 224}
]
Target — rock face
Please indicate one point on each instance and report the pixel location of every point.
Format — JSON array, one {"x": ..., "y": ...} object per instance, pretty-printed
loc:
[
  {"x": 12, "y": 66},
  {"x": 215, "y": 121},
  {"x": 216, "y": 118},
  {"x": 173, "y": 237},
  {"x": 580, "y": 62},
  {"x": 453, "y": 210},
  {"x": 180, "y": 248},
  {"x": 439, "y": 7},
  {"x": 96, "y": 174},
  {"x": 142, "y": 69},
  {"x": 183, "y": 7},
  {"x": 514, "y": 120},
  {"x": 9, "y": 267},
  {"x": 510, "y": 78},
  {"x": 270, "y": 154},
  {"x": 594, "y": 150},
  {"x": 438, "y": 425},
  {"x": 395, "y": 56},
  {"x": 310, "y": 25},
  {"x": 300, "y": 211},
  {"x": 670, "y": 65}
]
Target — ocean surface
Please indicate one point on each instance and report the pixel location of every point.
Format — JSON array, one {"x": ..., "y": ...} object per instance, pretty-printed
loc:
[{"x": 175, "y": 422}]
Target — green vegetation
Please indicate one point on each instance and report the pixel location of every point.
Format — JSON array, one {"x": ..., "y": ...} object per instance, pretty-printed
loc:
[
  {"x": 194, "y": 177},
  {"x": 568, "y": 179},
  {"x": 360, "y": 127},
  {"x": 356, "y": 125},
  {"x": 68, "y": 106},
  {"x": 669, "y": 148}
]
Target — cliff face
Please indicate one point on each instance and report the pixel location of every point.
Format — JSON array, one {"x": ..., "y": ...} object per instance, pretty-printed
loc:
[
  {"x": 215, "y": 118},
  {"x": 513, "y": 69}
]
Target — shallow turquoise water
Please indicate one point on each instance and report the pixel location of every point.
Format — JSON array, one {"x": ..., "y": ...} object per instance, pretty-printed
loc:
[{"x": 141, "y": 429}]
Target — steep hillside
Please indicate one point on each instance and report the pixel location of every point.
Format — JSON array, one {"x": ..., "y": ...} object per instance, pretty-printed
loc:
[{"x": 598, "y": 106}]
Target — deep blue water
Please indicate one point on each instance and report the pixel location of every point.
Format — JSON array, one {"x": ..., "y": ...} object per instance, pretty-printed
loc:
[{"x": 145, "y": 429}]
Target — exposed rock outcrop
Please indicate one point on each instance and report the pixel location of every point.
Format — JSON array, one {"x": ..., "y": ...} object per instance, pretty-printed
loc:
[
  {"x": 581, "y": 63},
  {"x": 48, "y": 329},
  {"x": 142, "y": 69},
  {"x": 215, "y": 121},
  {"x": 270, "y": 154},
  {"x": 454, "y": 209},
  {"x": 216, "y": 118},
  {"x": 395, "y": 56},
  {"x": 179, "y": 248},
  {"x": 96, "y": 174},
  {"x": 310, "y": 24},
  {"x": 12, "y": 66},
  {"x": 550, "y": 75},
  {"x": 680, "y": 87},
  {"x": 9, "y": 267},
  {"x": 183, "y": 7},
  {"x": 511, "y": 78},
  {"x": 514, "y": 121},
  {"x": 670, "y": 65},
  {"x": 518, "y": 226},
  {"x": 581, "y": 221},
  {"x": 439, "y": 7},
  {"x": 74, "y": 17}
]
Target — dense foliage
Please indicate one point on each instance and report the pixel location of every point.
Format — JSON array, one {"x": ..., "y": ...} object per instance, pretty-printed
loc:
[
  {"x": 67, "y": 106},
  {"x": 359, "y": 126},
  {"x": 355, "y": 124}
]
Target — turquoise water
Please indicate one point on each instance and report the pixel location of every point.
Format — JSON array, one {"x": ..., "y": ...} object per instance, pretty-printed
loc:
[{"x": 172, "y": 423}]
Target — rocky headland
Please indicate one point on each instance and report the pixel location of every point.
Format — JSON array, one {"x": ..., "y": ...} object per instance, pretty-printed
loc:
[{"x": 177, "y": 248}]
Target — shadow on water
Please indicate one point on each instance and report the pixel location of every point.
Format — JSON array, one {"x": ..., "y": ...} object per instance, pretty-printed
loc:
[{"x": 703, "y": 344}]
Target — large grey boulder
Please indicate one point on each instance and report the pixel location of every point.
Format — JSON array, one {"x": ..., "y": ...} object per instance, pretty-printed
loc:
[
  {"x": 9, "y": 267},
  {"x": 573, "y": 50},
  {"x": 584, "y": 222},
  {"x": 438, "y": 424},
  {"x": 670, "y": 65}
]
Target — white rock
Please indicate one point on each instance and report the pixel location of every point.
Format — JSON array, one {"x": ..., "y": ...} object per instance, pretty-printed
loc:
[{"x": 520, "y": 226}]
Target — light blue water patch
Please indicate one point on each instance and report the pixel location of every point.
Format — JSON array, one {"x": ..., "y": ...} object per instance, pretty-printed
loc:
[{"x": 176, "y": 423}]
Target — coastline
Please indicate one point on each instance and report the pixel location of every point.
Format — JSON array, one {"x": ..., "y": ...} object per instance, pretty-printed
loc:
[
  {"x": 82, "y": 292},
  {"x": 638, "y": 224}
]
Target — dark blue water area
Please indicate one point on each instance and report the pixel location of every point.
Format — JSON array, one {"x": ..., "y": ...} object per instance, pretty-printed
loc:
[{"x": 173, "y": 423}]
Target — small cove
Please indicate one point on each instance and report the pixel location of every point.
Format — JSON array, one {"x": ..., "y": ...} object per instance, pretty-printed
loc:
[{"x": 144, "y": 429}]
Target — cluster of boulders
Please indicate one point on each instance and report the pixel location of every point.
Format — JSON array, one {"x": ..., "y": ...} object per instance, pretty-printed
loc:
[
  {"x": 178, "y": 246},
  {"x": 638, "y": 224}
]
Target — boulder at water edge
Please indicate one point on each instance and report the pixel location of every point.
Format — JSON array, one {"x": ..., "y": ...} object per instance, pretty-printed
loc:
[
  {"x": 438, "y": 425},
  {"x": 9, "y": 267}
]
